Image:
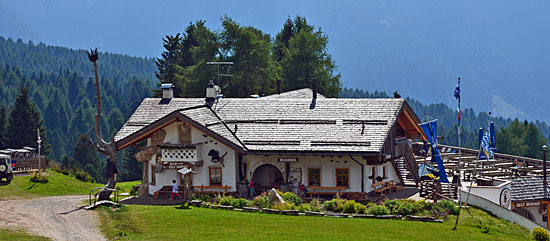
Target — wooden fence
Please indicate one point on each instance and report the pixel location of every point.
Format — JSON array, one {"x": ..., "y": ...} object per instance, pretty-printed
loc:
[{"x": 26, "y": 164}]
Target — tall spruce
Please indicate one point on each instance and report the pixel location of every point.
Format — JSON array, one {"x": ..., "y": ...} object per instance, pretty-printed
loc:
[
  {"x": 306, "y": 60},
  {"x": 132, "y": 167},
  {"x": 169, "y": 62},
  {"x": 24, "y": 120},
  {"x": 3, "y": 121},
  {"x": 86, "y": 156}
]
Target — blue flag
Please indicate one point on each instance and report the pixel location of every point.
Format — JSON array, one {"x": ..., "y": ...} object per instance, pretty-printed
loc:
[
  {"x": 430, "y": 129},
  {"x": 486, "y": 144},
  {"x": 457, "y": 90}
]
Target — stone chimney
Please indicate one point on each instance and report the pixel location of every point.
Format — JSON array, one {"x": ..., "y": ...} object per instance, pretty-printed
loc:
[
  {"x": 167, "y": 90},
  {"x": 211, "y": 94}
]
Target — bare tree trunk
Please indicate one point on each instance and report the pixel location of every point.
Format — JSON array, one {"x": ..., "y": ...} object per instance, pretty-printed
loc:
[{"x": 144, "y": 187}]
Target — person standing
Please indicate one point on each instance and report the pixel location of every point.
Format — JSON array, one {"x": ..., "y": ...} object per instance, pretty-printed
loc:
[
  {"x": 174, "y": 189},
  {"x": 252, "y": 191}
]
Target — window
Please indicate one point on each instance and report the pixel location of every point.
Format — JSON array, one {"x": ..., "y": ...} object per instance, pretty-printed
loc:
[
  {"x": 215, "y": 176},
  {"x": 153, "y": 176},
  {"x": 314, "y": 176},
  {"x": 184, "y": 133},
  {"x": 342, "y": 177}
]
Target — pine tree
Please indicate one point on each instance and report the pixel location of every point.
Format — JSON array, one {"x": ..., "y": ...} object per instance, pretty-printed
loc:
[
  {"x": 132, "y": 167},
  {"x": 86, "y": 156},
  {"x": 24, "y": 121},
  {"x": 2, "y": 124}
]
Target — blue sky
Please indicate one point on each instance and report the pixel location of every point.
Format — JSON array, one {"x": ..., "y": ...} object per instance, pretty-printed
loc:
[{"x": 500, "y": 48}]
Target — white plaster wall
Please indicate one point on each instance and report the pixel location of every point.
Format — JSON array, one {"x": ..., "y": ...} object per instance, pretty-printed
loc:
[
  {"x": 201, "y": 178},
  {"x": 391, "y": 174},
  {"x": 536, "y": 214},
  {"x": 328, "y": 168},
  {"x": 491, "y": 193}
]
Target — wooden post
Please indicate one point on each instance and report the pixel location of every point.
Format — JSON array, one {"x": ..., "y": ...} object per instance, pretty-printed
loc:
[{"x": 547, "y": 215}]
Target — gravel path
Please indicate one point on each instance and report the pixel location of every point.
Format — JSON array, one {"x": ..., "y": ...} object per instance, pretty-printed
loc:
[{"x": 57, "y": 217}]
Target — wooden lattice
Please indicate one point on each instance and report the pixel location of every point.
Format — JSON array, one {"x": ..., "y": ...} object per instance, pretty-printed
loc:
[{"x": 179, "y": 154}]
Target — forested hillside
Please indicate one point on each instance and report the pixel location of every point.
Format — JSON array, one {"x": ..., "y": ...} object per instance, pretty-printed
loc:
[
  {"x": 60, "y": 84},
  {"x": 34, "y": 58}
]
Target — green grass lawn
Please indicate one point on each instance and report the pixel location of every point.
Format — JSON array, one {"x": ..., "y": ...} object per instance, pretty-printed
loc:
[
  {"x": 169, "y": 223},
  {"x": 58, "y": 184},
  {"x": 17, "y": 235}
]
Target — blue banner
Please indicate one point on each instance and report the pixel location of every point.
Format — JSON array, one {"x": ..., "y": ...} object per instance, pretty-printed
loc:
[{"x": 430, "y": 129}]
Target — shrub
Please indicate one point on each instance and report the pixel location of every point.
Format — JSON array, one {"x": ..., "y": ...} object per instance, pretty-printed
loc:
[
  {"x": 405, "y": 208},
  {"x": 315, "y": 205},
  {"x": 378, "y": 210},
  {"x": 37, "y": 177},
  {"x": 330, "y": 205},
  {"x": 339, "y": 205},
  {"x": 448, "y": 206},
  {"x": 349, "y": 206},
  {"x": 82, "y": 176},
  {"x": 261, "y": 201},
  {"x": 392, "y": 205},
  {"x": 360, "y": 208},
  {"x": 291, "y": 197},
  {"x": 284, "y": 206},
  {"x": 422, "y": 207},
  {"x": 304, "y": 207},
  {"x": 205, "y": 197},
  {"x": 226, "y": 201},
  {"x": 240, "y": 203},
  {"x": 539, "y": 234}
]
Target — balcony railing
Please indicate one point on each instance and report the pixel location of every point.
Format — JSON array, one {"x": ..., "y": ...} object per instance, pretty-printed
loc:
[{"x": 181, "y": 153}]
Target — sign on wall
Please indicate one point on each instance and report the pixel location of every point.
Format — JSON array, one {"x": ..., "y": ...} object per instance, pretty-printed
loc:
[
  {"x": 505, "y": 198},
  {"x": 175, "y": 165},
  {"x": 288, "y": 159},
  {"x": 526, "y": 204}
]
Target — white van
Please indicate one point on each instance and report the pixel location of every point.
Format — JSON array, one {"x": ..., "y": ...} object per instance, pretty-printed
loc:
[{"x": 5, "y": 168}]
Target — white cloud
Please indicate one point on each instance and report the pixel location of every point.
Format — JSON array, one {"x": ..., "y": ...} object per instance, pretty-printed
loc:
[{"x": 385, "y": 22}]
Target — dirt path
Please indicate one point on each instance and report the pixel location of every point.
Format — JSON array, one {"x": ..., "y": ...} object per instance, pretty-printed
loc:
[{"x": 57, "y": 217}]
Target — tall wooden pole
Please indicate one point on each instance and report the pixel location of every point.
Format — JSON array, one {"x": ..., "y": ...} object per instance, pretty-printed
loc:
[
  {"x": 459, "y": 157},
  {"x": 105, "y": 148}
]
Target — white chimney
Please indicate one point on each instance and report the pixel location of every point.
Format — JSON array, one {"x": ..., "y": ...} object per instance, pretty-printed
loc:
[{"x": 167, "y": 90}]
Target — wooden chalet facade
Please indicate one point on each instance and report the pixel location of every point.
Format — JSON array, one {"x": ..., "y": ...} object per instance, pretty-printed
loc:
[{"x": 327, "y": 144}]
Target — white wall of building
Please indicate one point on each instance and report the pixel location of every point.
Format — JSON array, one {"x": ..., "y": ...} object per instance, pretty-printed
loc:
[
  {"x": 328, "y": 166},
  {"x": 201, "y": 178}
]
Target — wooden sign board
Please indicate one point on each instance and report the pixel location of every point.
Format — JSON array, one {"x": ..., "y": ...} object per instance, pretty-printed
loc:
[
  {"x": 526, "y": 204},
  {"x": 288, "y": 159},
  {"x": 175, "y": 165}
]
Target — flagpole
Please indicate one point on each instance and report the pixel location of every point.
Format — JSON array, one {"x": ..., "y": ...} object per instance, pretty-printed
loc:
[
  {"x": 459, "y": 184},
  {"x": 475, "y": 166}
]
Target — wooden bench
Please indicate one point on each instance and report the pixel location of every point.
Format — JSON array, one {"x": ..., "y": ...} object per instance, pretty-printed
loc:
[
  {"x": 318, "y": 190},
  {"x": 211, "y": 189},
  {"x": 166, "y": 192},
  {"x": 384, "y": 186}
]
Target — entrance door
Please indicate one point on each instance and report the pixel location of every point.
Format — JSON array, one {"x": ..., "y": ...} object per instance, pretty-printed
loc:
[{"x": 266, "y": 177}]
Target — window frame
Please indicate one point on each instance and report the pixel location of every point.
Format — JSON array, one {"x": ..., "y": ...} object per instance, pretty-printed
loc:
[
  {"x": 347, "y": 177},
  {"x": 184, "y": 133},
  {"x": 210, "y": 169},
  {"x": 309, "y": 176}
]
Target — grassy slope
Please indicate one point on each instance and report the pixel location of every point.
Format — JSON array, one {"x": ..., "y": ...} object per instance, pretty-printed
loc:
[
  {"x": 58, "y": 184},
  {"x": 169, "y": 223},
  {"x": 16, "y": 235}
]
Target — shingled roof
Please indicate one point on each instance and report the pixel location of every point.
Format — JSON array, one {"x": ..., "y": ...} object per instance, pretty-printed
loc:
[
  {"x": 528, "y": 188},
  {"x": 305, "y": 93},
  {"x": 283, "y": 124}
]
